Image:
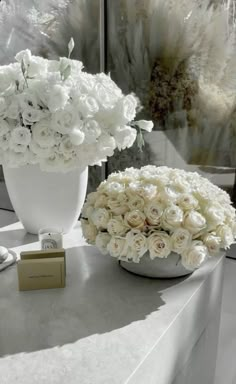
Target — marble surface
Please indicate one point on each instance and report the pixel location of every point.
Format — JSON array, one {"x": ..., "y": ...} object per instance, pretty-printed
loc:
[{"x": 107, "y": 326}]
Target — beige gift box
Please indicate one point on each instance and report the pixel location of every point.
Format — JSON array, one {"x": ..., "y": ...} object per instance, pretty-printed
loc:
[{"x": 41, "y": 269}]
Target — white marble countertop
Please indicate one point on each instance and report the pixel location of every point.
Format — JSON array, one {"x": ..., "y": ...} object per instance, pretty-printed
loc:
[{"x": 107, "y": 326}]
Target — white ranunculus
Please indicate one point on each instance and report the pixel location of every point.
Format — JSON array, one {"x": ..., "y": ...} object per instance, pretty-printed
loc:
[
  {"x": 21, "y": 135},
  {"x": 214, "y": 214},
  {"x": 19, "y": 148},
  {"x": 193, "y": 257},
  {"x": 114, "y": 188},
  {"x": 116, "y": 227},
  {"x": 137, "y": 241},
  {"x": 58, "y": 98},
  {"x": 102, "y": 241},
  {"x": 53, "y": 163},
  {"x": 212, "y": 243},
  {"x": 42, "y": 134},
  {"x": 153, "y": 212},
  {"x": 159, "y": 245},
  {"x": 64, "y": 121},
  {"x": 66, "y": 146},
  {"x": 180, "y": 240},
  {"x": 3, "y": 106},
  {"x": 4, "y": 127},
  {"x": 172, "y": 217},
  {"x": 77, "y": 136},
  {"x": 89, "y": 231},
  {"x": 115, "y": 246},
  {"x": 100, "y": 217},
  {"x": 88, "y": 106},
  {"x": 187, "y": 202},
  {"x": 135, "y": 219},
  {"x": 194, "y": 222},
  {"x": 92, "y": 131},
  {"x": 136, "y": 202},
  {"x": 39, "y": 151},
  {"x": 4, "y": 141},
  {"x": 146, "y": 125},
  {"x": 31, "y": 116},
  {"x": 125, "y": 137},
  {"x": 226, "y": 235}
]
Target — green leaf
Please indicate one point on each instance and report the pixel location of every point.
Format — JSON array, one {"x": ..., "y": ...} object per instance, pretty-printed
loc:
[{"x": 140, "y": 141}]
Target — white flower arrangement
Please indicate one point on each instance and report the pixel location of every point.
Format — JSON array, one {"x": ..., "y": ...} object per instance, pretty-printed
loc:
[
  {"x": 159, "y": 210},
  {"x": 56, "y": 115}
]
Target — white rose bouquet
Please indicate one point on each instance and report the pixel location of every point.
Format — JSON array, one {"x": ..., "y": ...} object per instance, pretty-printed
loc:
[
  {"x": 159, "y": 210},
  {"x": 54, "y": 114}
]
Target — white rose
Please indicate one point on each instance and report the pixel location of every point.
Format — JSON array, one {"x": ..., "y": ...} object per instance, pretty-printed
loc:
[
  {"x": 137, "y": 241},
  {"x": 92, "y": 197},
  {"x": 58, "y": 98},
  {"x": 103, "y": 96},
  {"x": 89, "y": 231},
  {"x": 21, "y": 135},
  {"x": 88, "y": 106},
  {"x": 226, "y": 235},
  {"x": 12, "y": 111},
  {"x": 187, "y": 202},
  {"x": 76, "y": 65},
  {"x": 5, "y": 141},
  {"x": 102, "y": 241},
  {"x": 126, "y": 108},
  {"x": 136, "y": 202},
  {"x": 92, "y": 131},
  {"x": 180, "y": 240},
  {"x": 64, "y": 121},
  {"x": 153, "y": 212},
  {"x": 118, "y": 204},
  {"x": 169, "y": 193},
  {"x": 37, "y": 66},
  {"x": 7, "y": 81},
  {"x": 24, "y": 56},
  {"x": 159, "y": 245},
  {"x": 115, "y": 246},
  {"x": 135, "y": 219},
  {"x": 106, "y": 145},
  {"x": 42, "y": 134},
  {"x": 125, "y": 137},
  {"x": 100, "y": 217},
  {"x": 16, "y": 159},
  {"x": 3, "y": 106},
  {"x": 87, "y": 211},
  {"x": 101, "y": 201},
  {"x": 146, "y": 125},
  {"x": 212, "y": 243},
  {"x": 31, "y": 116},
  {"x": 116, "y": 227},
  {"x": 214, "y": 214},
  {"x": 4, "y": 127},
  {"x": 194, "y": 256},
  {"x": 194, "y": 222},
  {"x": 172, "y": 217}
]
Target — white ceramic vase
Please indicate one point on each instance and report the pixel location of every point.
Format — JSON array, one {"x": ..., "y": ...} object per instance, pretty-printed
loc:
[
  {"x": 46, "y": 199},
  {"x": 159, "y": 268}
]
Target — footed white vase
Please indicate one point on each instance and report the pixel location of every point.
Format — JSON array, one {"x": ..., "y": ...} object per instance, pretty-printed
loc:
[{"x": 46, "y": 199}]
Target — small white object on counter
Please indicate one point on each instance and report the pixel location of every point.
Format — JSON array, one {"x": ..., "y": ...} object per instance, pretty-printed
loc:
[{"x": 3, "y": 254}]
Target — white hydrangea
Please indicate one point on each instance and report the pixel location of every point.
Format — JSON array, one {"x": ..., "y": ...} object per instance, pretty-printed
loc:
[
  {"x": 156, "y": 211},
  {"x": 61, "y": 116}
]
